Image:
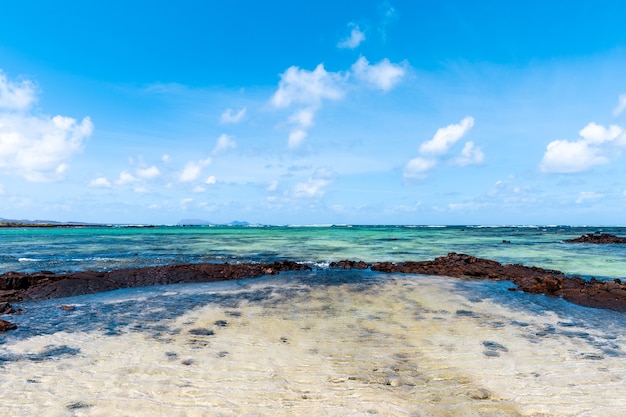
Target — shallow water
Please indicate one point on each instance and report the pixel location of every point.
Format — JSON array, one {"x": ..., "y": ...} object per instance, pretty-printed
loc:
[
  {"x": 325, "y": 342},
  {"x": 321, "y": 343},
  {"x": 75, "y": 249}
]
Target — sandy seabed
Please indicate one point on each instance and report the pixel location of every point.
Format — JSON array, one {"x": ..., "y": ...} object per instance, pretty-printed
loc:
[{"x": 407, "y": 346}]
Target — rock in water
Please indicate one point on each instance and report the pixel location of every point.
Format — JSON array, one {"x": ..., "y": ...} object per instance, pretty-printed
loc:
[
  {"x": 598, "y": 238},
  {"x": 5, "y": 325}
]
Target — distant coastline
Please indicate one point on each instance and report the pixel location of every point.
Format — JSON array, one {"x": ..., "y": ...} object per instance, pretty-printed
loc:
[
  {"x": 19, "y": 224},
  {"x": 12, "y": 223}
]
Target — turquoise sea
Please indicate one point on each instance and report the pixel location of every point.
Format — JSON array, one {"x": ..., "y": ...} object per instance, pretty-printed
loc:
[{"x": 324, "y": 342}]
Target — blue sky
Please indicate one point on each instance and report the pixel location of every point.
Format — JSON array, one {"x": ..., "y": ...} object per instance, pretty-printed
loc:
[{"x": 283, "y": 112}]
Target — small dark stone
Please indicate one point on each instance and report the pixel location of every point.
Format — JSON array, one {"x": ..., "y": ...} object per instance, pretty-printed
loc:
[
  {"x": 494, "y": 346},
  {"x": 221, "y": 323},
  {"x": 187, "y": 362},
  {"x": 77, "y": 405},
  {"x": 202, "y": 331}
]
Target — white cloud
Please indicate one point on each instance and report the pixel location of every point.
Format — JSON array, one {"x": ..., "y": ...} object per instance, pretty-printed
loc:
[
  {"x": 224, "y": 142},
  {"x": 383, "y": 75},
  {"x": 311, "y": 188},
  {"x": 296, "y": 137},
  {"x": 148, "y": 173},
  {"x": 126, "y": 178},
  {"x": 303, "y": 117},
  {"x": 100, "y": 182},
  {"x": 38, "y": 147},
  {"x": 230, "y": 116},
  {"x": 315, "y": 185},
  {"x": 301, "y": 86},
  {"x": 569, "y": 157},
  {"x": 598, "y": 134},
  {"x": 447, "y": 136},
  {"x": 192, "y": 170},
  {"x": 470, "y": 155},
  {"x": 417, "y": 168},
  {"x": 16, "y": 96},
  {"x": 588, "y": 196},
  {"x": 355, "y": 38},
  {"x": 199, "y": 189},
  {"x": 433, "y": 150},
  {"x": 309, "y": 89},
  {"x": 211, "y": 180},
  {"x": 165, "y": 158},
  {"x": 621, "y": 105},
  {"x": 593, "y": 148}
]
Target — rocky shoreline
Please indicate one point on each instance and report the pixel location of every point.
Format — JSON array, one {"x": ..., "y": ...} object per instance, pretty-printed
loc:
[{"x": 17, "y": 286}]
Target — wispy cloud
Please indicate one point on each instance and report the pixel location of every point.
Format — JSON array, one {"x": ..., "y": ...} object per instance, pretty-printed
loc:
[
  {"x": 16, "y": 95},
  {"x": 354, "y": 39},
  {"x": 436, "y": 148},
  {"x": 100, "y": 182},
  {"x": 418, "y": 168},
  {"x": 585, "y": 196},
  {"x": 148, "y": 173},
  {"x": 231, "y": 116},
  {"x": 192, "y": 170},
  {"x": 126, "y": 177},
  {"x": 621, "y": 105},
  {"x": 383, "y": 76},
  {"x": 224, "y": 143},
  {"x": 315, "y": 185},
  {"x": 470, "y": 155},
  {"x": 447, "y": 136}
]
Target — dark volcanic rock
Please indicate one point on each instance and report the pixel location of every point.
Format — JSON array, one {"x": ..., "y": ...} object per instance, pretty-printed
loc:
[
  {"x": 6, "y": 308},
  {"x": 593, "y": 293},
  {"x": 16, "y": 286},
  {"x": 5, "y": 325},
  {"x": 347, "y": 264},
  {"x": 598, "y": 238}
]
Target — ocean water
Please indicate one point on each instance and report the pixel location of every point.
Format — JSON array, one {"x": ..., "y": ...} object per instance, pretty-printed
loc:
[{"x": 317, "y": 343}]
